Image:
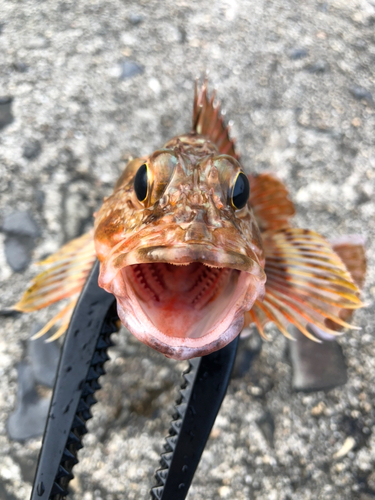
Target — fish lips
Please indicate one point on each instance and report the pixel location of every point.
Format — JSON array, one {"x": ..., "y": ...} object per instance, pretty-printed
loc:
[{"x": 230, "y": 311}]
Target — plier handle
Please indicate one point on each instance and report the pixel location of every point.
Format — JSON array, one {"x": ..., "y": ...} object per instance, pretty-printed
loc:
[{"x": 81, "y": 364}]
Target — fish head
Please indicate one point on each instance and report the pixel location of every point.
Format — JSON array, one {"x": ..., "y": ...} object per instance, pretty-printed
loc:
[{"x": 180, "y": 248}]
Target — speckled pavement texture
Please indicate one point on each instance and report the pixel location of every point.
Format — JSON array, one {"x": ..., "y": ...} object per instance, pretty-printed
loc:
[{"x": 85, "y": 84}]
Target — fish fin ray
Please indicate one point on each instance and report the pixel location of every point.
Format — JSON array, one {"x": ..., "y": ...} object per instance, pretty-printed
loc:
[
  {"x": 351, "y": 250},
  {"x": 209, "y": 121},
  {"x": 300, "y": 301},
  {"x": 67, "y": 271},
  {"x": 270, "y": 202}
]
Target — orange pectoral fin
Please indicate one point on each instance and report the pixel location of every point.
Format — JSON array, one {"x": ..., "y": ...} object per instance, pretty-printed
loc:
[
  {"x": 64, "y": 278},
  {"x": 270, "y": 202},
  {"x": 351, "y": 250},
  {"x": 307, "y": 284}
]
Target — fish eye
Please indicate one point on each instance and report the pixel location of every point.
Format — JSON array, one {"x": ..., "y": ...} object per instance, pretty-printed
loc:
[
  {"x": 141, "y": 183},
  {"x": 240, "y": 191}
]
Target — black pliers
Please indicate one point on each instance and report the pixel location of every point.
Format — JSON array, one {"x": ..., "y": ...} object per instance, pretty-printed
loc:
[{"x": 81, "y": 364}]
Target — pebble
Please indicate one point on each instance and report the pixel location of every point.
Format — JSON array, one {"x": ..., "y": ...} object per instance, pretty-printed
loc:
[
  {"x": 6, "y": 116},
  {"x": 224, "y": 492},
  {"x": 136, "y": 19},
  {"x": 20, "y": 66},
  {"x": 32, "y": 150},
  {"x": 316, "y": 366},
  {"x": 28, "y": 419},
  {"x": 318, "y": 67},
  {"x": 318, "y": 410},
  {"x": 345, "y": 448},
  {"x": 18, "y": 252},
  {"x": 20, "y": 223},
  {"x": 361, "y": 93},
  {"x": 298, "y": 53},
  {"x": 21, "y": 231},
  {"x": 130, "y": 69}
]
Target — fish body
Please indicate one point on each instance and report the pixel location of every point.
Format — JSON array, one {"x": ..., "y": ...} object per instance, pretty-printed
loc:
[{"x": 194, "y": 248}]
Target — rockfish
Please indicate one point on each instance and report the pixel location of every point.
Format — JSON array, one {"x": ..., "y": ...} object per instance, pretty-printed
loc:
[{"x": 194, "y": 248}]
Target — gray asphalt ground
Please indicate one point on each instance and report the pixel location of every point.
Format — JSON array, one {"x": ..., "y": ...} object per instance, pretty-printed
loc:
[{"x": 94, "y": 81}]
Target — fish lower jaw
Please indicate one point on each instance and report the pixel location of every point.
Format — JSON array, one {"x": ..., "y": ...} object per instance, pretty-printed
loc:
[
  {"x": 179, "y": 349},
  {"x": 184, "y": 311}
]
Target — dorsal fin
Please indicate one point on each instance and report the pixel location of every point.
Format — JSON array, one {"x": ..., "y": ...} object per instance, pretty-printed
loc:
[{"x": 209, "y": 121}]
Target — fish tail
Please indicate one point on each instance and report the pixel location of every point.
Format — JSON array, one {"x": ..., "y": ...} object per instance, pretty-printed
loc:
[
  {"x": 208, "y": 121},
  {"x": 310, "y": 283},
  {"x": 64, "y": 278}
]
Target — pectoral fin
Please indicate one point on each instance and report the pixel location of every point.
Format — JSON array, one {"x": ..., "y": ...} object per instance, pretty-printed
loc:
[
  {"x": 64, "y": 278},
  {"x": 307, "y": 284},
  {"x": 351, "y": 251}
]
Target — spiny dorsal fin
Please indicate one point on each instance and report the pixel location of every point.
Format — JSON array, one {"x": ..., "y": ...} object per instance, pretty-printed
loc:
[
  {"x": 209, "y": 121},
  {"x": 270, "y": 202}
]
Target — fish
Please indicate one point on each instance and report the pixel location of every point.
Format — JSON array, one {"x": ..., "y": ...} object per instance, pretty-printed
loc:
[{"x": 195, "y": 248}]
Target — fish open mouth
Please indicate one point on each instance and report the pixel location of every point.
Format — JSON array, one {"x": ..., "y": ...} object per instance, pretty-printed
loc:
[{"x": 183, "y": 301}]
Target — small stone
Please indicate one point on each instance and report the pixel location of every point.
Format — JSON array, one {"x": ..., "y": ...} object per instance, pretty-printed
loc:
[
  {"x": 298, "y": 53},
  {"x": 266, "y": 423},
  {"x": 21, "y": 67},
  {"x": 345, "y": 448},
  {"x": 362, "y": 94},
  {"x": 29, "y": 418},
  {"x": 318, "y": 67},
  {"x": 154, "y": 85},
  {"x": 6, "y": 117},
  {"x": 356, "y": 122},
  {"x": 44, "y": 357},
  {"x": 136, "y": 19},
  {"x": 18, "y": 252},
  {"x": 32, "y": 150},
  {"x": 215, "y": 433},
  {"x": 318, "y": 409},
  {"x": 224, "y": 492},
  {"x": 316, "y": 367},
  {"x": 130, "y": 69},
  {"x": 20, "y": 223}
]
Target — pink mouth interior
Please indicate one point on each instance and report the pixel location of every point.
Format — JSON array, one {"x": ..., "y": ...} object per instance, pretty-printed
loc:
[{"x": 184, "y": 301}]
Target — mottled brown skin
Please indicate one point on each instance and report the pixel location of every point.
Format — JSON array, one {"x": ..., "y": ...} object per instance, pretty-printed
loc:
[{"x": 196, "y": 203}]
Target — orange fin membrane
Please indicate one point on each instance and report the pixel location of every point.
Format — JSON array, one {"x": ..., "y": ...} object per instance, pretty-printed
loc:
[
  {"x": 351, "y": 250},
  {"x": 270, "y": 202},
  {"x": 208, "y": 121},
  {"x": 64, "y": 278},
  {"x": 308, "y": 285}
]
